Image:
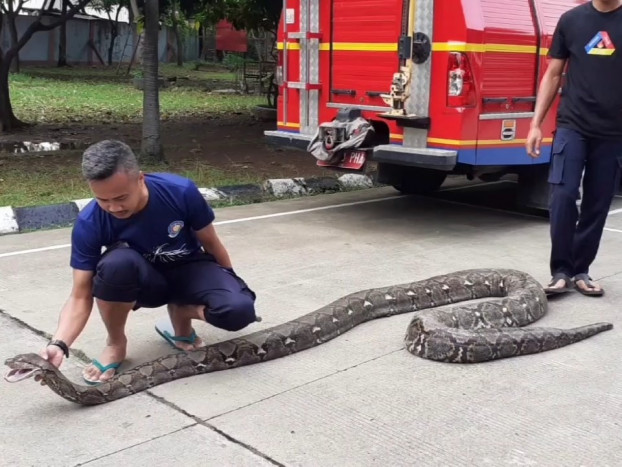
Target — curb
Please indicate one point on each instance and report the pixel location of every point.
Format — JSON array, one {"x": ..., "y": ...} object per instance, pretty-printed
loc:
[{"x": 17, "y": 220}]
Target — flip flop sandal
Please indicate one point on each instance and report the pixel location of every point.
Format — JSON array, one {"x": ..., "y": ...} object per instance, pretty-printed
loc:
[
  {"x": 165, "y": 329},
  {"x": 593, "y": 292},
  {"x": 551, "y": 290},
  {"x": 103, "y": 369}
]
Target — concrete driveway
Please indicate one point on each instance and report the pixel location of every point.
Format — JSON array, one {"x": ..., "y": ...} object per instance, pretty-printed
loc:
[{"x": 359, "y": 400}]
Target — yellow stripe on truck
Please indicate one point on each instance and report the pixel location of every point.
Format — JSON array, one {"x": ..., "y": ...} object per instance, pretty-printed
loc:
[
  {"x": 288, "y": 124},
  {"x": 436, "y": 47},
  {"x": 481, "y": 142},
  {"x": 360, "y": 46},
  {"x": 465, "y": 142}
]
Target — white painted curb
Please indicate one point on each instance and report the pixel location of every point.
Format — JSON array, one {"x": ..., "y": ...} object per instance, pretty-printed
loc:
[
  {"x": 81, "y": 203},
  {"x": 212, "y": 194},
  {"x": 8, "y": 223},
  {"x": 356, "y": 181},
  {"x": 280, "y": 187}
]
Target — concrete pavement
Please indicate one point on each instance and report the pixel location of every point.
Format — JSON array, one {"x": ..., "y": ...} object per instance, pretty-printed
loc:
[{"x": 358, "y": 400}]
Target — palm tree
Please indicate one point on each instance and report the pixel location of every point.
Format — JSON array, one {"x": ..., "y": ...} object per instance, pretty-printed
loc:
[{"x": 151, "y": 147}]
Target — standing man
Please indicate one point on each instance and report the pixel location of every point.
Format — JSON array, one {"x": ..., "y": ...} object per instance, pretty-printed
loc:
[
  {"x": 161, "y": 248},
  {"x": 588, "y": 39}
]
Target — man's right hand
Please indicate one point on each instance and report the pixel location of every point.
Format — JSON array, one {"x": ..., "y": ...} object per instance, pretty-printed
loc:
[
  {"x": 52, "y": 354},
  {"x": 534, "y": 139}
]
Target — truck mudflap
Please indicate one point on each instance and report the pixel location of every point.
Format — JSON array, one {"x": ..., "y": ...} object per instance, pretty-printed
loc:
[{"x": 426, "y": 158}]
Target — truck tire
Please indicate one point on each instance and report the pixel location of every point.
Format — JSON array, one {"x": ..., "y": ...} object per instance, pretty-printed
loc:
[
  {"x": 419, "y": 181},
  {"x": 533, "y": 190}
]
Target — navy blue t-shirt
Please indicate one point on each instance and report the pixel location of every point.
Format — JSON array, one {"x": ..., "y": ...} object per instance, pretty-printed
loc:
[{"x": 162, "y": 232}]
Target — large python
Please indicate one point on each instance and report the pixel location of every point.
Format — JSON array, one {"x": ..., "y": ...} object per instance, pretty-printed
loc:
[{"x": 468, "y": 333}]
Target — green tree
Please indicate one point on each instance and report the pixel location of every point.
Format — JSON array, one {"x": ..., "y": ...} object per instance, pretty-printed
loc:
[
  {"x": 8, "y": 120},
  {"x": 254, "y": 14},
  {"x": 113, "y": 9},
  {"x": 149, "y": 13},
  {"x": 151, "y": 149}
]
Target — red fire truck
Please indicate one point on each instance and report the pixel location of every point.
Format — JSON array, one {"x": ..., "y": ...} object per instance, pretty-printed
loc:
[{"x": 422, "y": 88}]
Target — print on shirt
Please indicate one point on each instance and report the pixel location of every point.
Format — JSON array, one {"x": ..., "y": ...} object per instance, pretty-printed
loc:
[
  {"x": 161, "y": 255},
  {"x": 600, "y": 44},
  {"x": 174, "y": 228}
]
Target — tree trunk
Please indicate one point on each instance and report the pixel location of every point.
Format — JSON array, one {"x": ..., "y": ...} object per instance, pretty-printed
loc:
[
  {"x": 62, "y": 42},
  {"x": 113, "y": 36},
  {"x": 114, "y": 32},
  {"x": 201, "y": 40},
  {"x": 12, "y": 20},
  {"x": 151, "y": 147},
  {"x": 180, "y": 46},
  {"x": 178, "y": 38},
  {"x": 204, "y": 43},
  {"x": 8, "y": 120}
]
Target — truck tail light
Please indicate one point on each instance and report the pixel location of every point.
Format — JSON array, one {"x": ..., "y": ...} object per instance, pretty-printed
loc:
[{"x": 460, "y": 85}]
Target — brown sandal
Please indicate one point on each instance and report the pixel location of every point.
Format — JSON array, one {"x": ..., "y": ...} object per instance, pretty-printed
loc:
[
  {"x": 551, "y": 290},
  {"x": 593, "y": 291}
]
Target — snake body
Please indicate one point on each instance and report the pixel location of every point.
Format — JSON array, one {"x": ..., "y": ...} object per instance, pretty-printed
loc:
[{"x": 467, "y": 333}]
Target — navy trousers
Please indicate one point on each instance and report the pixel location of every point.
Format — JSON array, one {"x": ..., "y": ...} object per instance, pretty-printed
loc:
[
  {"x": 123, "y": 275},
  {"x": 576, "y": 235}
]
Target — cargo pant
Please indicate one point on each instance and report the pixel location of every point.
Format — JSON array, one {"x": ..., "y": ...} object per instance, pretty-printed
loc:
[
  {"x": 575, "y": 237},
  {"x": 123, "y": 275}
]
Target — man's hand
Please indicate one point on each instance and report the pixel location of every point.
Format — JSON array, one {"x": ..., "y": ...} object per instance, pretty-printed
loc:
[
  {"x": 534, "y": 140},
  {"x": 547, "y": 92},
  {"x": 211, "y": 244},
  {"x": 52, "y": 354}
]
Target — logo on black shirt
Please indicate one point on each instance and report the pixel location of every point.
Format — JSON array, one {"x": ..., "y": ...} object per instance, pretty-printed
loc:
[{"x": 600, "y": 45}]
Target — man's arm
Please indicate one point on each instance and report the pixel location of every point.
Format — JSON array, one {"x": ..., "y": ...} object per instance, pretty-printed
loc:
[
  {"x": 77, "y": 309},
  {"x": 549, "y": 87},
  {"x": 73, "y": 318},
  {"x": 546, "y": 96},
  {"x": 200, "y": 220},
  {"x": 211, "y": 243}
]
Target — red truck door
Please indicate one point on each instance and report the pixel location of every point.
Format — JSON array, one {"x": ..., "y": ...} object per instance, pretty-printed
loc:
[
  {"x": 363, "y": 51},
  {"x": 509, "y": 79},
  {"x": 517, "y": 38}
]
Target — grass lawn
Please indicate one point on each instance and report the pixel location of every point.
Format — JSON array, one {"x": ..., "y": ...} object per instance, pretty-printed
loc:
[
  {"x": 57, "y": 178},
  {"x": 76, "y": 98},
  {"x": 89, "y": 94}
]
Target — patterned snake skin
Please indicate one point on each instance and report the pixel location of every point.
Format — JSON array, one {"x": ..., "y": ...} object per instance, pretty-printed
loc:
[{"x": 469, "y": 333}]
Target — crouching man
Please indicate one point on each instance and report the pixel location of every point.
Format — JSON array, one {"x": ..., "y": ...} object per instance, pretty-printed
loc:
[{"x": 145, "y": 240}]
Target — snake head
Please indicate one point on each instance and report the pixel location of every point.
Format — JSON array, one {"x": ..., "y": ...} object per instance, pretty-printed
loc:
[{"x": 24, "y": 366}]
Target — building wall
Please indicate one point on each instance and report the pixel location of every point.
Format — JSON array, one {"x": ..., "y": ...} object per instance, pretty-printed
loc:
[{"x": 43, "y": 46}]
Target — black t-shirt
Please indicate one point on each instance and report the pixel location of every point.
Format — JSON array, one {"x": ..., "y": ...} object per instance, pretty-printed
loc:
[{"x": 591, "y": 100}]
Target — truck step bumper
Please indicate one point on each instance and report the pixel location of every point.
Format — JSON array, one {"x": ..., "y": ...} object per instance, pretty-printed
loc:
[
  {"x": 429, "y": 158},
  {"x": 286, "y": 138}
]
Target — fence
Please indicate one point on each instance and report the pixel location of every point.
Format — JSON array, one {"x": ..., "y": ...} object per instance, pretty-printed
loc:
[{"x": 88, "y": 39}]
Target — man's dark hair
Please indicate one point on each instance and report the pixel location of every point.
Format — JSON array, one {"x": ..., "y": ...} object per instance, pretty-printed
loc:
[{"x": 102, "y": 160}]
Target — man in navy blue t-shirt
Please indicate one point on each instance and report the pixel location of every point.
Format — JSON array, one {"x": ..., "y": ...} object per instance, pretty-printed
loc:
[
  {"x": 587, "y": 147},
  {"x": 145, "y": 240}
]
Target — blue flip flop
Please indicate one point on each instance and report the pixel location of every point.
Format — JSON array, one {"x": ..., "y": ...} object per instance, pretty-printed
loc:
[
  {"x": 103, "y": 369},
  {"x": 165, "y": 329}
]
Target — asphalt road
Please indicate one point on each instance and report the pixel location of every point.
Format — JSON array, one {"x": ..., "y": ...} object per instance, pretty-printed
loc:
[{"x": 358, "y": 400}]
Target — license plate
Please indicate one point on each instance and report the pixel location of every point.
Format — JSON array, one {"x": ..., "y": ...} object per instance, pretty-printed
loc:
[{"x": 353, "y": 160}]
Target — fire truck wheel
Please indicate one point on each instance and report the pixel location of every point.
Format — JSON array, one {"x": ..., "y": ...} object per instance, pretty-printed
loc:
[{"x": 417, "y": 181}]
